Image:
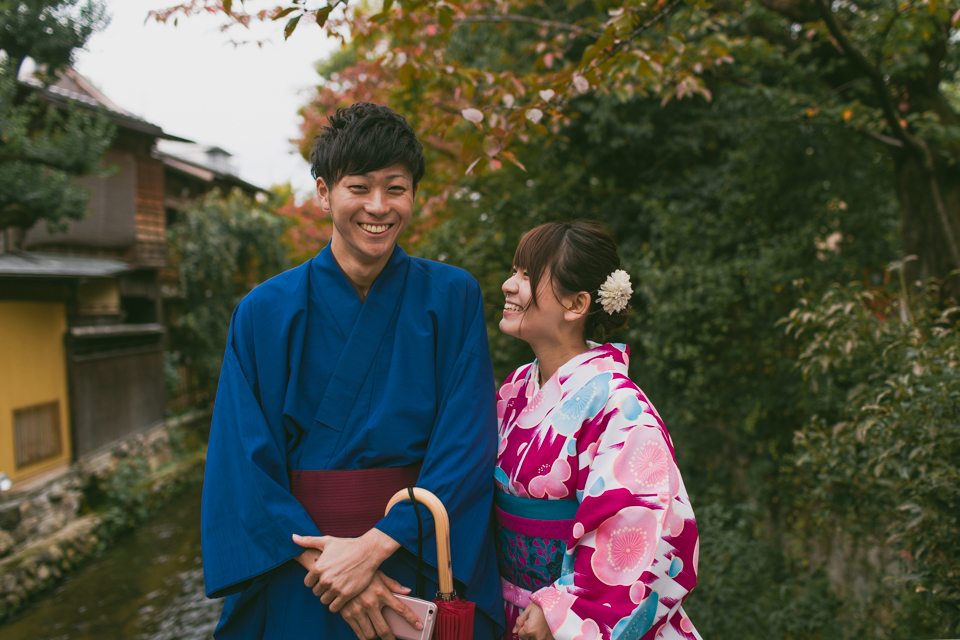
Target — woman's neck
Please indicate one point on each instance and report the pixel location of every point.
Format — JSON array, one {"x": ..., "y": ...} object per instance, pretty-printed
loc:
[{"x": 557, "y": 353}]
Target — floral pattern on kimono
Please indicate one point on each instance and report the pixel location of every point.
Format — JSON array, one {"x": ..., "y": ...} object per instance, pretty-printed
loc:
[{"x": 590, "y": 434}]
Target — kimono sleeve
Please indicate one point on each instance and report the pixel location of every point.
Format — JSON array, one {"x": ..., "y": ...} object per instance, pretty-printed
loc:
[
  {"x": 632, "y": 559},
  {"x": 459, "y": 460},
  {"x": 248, "y": 513}
]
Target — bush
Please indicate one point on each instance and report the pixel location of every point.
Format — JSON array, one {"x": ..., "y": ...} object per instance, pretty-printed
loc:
[
  {"x": 223, "y": 247},
  {"x": 747, "y": 589},
  {"x": 880, "y": 457}
]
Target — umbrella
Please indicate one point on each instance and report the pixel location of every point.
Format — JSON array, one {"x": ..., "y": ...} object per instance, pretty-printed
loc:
[{"x": 454, "y": 616}]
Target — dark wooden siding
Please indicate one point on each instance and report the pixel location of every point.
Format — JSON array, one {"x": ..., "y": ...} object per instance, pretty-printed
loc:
[
  {"x": 116, "y": 383},
  {"x": 110, "y": 222}
]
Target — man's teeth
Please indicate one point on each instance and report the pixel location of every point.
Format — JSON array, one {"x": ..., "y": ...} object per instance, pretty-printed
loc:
[
  {"x": 512, "y": 307},
  {"x": 374, "y": 228}
]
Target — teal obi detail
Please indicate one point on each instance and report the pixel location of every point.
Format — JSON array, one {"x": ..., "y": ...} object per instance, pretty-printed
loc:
[
  {"x": 532, "y": 539},
  {"x": 536, "y": 509}
]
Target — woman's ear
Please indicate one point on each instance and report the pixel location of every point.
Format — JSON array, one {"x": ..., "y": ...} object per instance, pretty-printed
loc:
[{"x": 577, "y": 306}]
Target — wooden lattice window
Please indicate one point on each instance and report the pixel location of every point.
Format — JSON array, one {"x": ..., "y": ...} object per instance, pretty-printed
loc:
[{"x": 36, "y": 433}]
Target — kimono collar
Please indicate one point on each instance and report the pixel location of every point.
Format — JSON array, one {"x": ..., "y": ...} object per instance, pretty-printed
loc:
[
  {"x": 364, "y": 334},
  {"x": 339, "y": 295},
  {"x": 612, "y": 356}
]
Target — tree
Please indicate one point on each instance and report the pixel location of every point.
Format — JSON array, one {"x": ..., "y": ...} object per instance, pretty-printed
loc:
[
  {"x": 310, "y": 226},
  {"x": 48, "y": 32},
  {"x": 884, "y": 69},
  {"x": 779, "y": 177},
  {"x": 719, "y": 209},
  {"x": 43, "y": 149},
  {"x": 222, "y": 248},
  {"x": 887, "y": 69}
]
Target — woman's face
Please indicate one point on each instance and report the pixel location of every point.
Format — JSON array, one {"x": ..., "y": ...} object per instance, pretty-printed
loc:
[{"x": 522, "y": 319}]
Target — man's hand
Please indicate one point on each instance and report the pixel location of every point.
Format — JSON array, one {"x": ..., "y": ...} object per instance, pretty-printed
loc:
[
  {"x": 346, "y": 566},
  {"x": 363, "y": 613},
  {"x": 532, "y": 624}
]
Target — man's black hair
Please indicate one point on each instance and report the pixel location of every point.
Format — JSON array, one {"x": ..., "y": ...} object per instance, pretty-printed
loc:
[{"x": 365, "y": 137}]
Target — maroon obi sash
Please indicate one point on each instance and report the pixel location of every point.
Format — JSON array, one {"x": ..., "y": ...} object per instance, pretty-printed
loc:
[{"x": 347, "y": 503}]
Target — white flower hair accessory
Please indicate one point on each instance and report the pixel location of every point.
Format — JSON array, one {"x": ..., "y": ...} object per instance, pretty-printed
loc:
[{"x": 615, "y": 292}]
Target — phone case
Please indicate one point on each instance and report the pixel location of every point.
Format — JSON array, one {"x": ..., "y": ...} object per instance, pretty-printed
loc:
[{"x": 403, "y": 630}]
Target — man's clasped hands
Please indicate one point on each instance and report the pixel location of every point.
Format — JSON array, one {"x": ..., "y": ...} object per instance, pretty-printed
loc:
[{"x": 344, "y": 573}]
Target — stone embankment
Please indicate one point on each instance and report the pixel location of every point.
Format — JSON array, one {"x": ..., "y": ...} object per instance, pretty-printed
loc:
[{"x": 49, "y": 527}]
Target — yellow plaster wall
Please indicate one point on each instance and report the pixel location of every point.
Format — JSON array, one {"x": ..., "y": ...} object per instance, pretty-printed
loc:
[{"x": 32, "y": 371}]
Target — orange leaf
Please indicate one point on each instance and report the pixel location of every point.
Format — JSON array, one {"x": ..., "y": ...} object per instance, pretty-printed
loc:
[{"x": 512, "y": 158}]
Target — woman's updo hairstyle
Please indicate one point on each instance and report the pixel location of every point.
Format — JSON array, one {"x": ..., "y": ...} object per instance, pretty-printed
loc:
[{"x": 579, "y": 255}]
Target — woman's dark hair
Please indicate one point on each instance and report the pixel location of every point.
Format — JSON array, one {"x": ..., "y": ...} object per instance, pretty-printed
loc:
[
  {"x": 362, "y": 138},
  {"x": 579, "y": 255}
]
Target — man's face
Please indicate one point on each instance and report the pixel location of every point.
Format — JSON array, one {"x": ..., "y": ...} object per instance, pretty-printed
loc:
[{"x": 369, "y": 211}]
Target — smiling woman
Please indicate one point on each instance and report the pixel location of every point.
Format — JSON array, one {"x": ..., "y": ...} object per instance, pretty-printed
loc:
[{"x": 597, "y": 536}]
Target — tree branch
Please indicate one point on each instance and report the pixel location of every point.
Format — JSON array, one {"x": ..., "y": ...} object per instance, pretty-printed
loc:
[
  {"x": 915, "y": 145},
  {"x": 872, "y": 73},
  {"x": 887, "y": 140},
  {"x": 549, "y": 24},
  {"x": 636, "y": 32}
]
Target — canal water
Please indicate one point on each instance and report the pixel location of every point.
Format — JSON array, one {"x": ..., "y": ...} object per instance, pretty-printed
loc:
[{"x": 148, "y": 586}]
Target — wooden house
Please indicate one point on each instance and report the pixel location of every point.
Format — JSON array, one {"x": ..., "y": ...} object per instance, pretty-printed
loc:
[{"x": 81, "y": 319}]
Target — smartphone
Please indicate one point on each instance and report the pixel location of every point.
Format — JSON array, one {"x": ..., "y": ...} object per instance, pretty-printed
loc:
[{"x": 403, "y": 630}]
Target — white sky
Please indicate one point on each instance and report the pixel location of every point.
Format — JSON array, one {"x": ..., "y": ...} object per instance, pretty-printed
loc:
[{"x": 193, "y": 83}]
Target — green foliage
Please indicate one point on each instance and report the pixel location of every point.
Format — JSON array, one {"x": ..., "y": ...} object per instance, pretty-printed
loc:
[
  {"x": 171, "y": 376},
  {"x": 881, "y": 457},
  {"x": 719, "y": 209},
  {"x": 223, "y": 247},
  {"x": 43, "y": 149},
  {"x": 49, "y": 31},
  {"x": 127, "y": 488},
  {"x": 745, "y": 587},
  {"x": 804, "y": 170},
  {"x": 122, "y": 494}
]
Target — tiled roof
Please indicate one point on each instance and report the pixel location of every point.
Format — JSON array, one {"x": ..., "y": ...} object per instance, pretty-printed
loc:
[
  {"x": 57, "y": 265},
  {"x": 193, "y": 159},
  {"x": 120, "y": 117}
]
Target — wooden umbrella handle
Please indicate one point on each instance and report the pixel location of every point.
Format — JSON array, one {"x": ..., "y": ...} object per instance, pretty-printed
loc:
[{"x": 442, "y": 523}]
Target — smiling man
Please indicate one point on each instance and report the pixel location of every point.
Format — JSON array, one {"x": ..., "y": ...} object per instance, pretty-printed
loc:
[{"x": 359, "y": 373}]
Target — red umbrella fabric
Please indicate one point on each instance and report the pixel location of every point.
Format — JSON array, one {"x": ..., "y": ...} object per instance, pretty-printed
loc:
[{"x": 454, "y": 616}]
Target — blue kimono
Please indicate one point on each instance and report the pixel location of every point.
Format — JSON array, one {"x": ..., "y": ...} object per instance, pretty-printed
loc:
[{"x": 314, "y": 379}]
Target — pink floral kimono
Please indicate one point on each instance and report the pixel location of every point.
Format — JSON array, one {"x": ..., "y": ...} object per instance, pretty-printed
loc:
[{"x": 594, "y": 522}]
